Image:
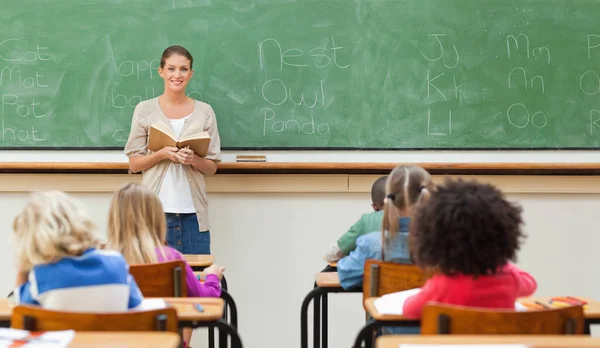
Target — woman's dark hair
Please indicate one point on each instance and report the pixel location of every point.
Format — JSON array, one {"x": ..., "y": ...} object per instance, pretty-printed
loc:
[
  {"x": 178, "y": 50},
  {"x": 466, "y": 227}
]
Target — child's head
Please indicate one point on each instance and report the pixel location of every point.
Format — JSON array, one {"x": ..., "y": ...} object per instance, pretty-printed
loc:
[
  {"x": 52, "y": 225},
  {"x": 406, "y": 186},
  {"x": 466, "y": 227},
  {"x": 136, "y": 224},
  {"x": 378, "y": 193}
]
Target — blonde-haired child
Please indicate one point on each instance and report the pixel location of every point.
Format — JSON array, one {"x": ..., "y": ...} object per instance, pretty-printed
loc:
[
  {"x": 406, "y": 187},
  {"x": 59, "y": 265},
  {"x": 138, "y": 229}
]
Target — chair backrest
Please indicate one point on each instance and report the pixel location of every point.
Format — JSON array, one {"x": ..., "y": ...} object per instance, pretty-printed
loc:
[
  {"x": 445, "y": 319},
  {"x": 36, "y": 318},
  {"x": 383, "y": 278},
  {"x": 166, "y": 279}
]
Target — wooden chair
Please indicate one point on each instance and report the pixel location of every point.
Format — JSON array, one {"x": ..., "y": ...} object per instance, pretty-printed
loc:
[
  {"x": 166, "y": 279},
  {"x": 35, "y": 318},
  {"x": 383, "y": 278},
  {"x": 459, "y": 320}
]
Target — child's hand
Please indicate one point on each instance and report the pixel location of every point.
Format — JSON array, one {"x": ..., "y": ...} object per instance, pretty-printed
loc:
[
  {"x": 334, "y": 254},
  {"x": 216, "y": 270}
]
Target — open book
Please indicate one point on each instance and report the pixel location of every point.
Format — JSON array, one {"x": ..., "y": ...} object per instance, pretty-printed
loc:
[{"x": 161, "y": 135}]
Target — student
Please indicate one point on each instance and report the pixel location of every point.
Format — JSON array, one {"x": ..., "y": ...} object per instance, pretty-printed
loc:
[
  {"x": 368, "y": 222},
  {"x": 406, "y": 187},
  {"x": 468, "y": 232},
  {"x": 59, "y": 265},
  {"x": 137, "y": 228}
]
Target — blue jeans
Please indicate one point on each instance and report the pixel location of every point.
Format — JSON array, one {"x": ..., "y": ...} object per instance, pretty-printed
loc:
[
  {"x": 397, "y": 330},
  {"x": 184, "y": 235}
]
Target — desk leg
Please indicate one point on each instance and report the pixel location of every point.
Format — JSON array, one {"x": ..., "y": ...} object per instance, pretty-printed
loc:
[
  {"x": 317, "y": 320},
  {"x": 228, "y": 330},
  {"x": 587, "y": 329},
  {"x": 324, "y": 320},
  {"x": 314, "y": 294},
  {"x": 211, "y": 337}
]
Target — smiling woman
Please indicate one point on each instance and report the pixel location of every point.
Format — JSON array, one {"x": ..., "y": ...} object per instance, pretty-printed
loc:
[{"x": 177, "y": 174}]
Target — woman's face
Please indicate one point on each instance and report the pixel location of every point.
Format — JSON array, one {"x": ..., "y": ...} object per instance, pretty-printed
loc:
[{"x": 176, "y": 73}]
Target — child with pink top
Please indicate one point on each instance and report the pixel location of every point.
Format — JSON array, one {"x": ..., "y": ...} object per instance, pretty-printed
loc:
[{"x": 137, "y": 229}]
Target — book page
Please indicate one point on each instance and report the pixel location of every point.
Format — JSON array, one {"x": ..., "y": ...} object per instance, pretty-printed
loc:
[
  {"x": 201, "y": 135},
  {"x": 157, "y": 138},
  {"x": 199, "y": 146},
  {"x": 391, "y": 304},
  {"x": 151, "y": 304}
]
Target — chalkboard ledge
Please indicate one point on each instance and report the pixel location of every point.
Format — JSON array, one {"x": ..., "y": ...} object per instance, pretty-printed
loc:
[{"x": 321, "y": 168}]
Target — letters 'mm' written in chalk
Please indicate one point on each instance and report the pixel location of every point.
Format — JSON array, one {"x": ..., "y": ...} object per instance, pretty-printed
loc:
[{"x": 537, "y": 52}]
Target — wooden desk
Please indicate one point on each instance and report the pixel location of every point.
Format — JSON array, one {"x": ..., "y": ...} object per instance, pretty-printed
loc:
[
  {"x": 187, "y": 314},
  {"x": 532, "y": 341},
  {"x": 125, "y": 339},
  {"x": 199, "y": 262},
  {"x": 327, "y": 280},
  {"x": 592, "y": 316},
  {"x": 592, "y": 311},
  {"x": 325, "y": 283}
]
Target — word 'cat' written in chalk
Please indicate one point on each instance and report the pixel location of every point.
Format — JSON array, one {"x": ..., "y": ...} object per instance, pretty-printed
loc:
[{"x": 10, "y": 51}]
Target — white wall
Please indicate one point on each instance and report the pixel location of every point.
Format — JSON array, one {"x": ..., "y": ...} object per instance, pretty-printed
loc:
[{"x": 272, "y": 243}]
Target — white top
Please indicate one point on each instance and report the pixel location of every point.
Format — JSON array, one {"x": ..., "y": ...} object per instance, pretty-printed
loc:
[{"x": 175, "y": 194}]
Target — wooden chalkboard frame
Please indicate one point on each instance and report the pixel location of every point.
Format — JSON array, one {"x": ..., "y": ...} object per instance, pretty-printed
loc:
[
  {"x": 520, "y": 168},
  {"x": 445, "y": 149}
]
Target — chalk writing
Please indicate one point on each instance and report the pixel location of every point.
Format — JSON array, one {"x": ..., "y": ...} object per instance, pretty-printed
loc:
[
  {"x": 590, "y": 38},
  {"x": 430, "y": 132},
  {"x": 308, "y": 127},
  {"x": 593, "y": 80},
  {"x": 12, "y": 75},
  {"x": 441, "y": 52},
  {"x": 275, "y": 92},
  {"x": 10, "y": 52},
  {"x": 22, "y": 135},
  {"x": 538, "y": 119},
  {"x": 535, "y": 51},
  {"x": 139, "y": 68},
  {"x": 525, "y": 81},
  {"x": 295, "y": 57}
]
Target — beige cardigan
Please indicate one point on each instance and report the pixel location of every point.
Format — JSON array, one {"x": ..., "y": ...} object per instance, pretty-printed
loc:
[{"x": 203, "y": 118}]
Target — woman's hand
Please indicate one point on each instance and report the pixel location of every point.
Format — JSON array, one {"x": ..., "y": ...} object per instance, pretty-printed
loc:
[
  {"x": 169, "y": 152},
  {"x": 216, "y": 270},
  {"x": 186, "y": 156}
]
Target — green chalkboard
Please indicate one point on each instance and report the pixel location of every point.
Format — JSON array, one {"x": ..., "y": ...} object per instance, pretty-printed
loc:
[{"x": 335, "y": 74}]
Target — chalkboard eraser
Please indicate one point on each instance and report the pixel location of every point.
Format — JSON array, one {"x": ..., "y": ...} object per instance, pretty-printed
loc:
[{"x": 250, "y": 158}]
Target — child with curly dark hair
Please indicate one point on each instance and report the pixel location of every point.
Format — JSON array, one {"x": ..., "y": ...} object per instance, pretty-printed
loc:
[{"x": 468, "y": 233}]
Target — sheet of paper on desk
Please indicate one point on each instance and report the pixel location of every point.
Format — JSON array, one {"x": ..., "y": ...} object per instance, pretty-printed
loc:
[
  {"x": 149, "y": 304},
  {"x": 391, "y": 304},
  {"x": 54, "y": 339},
  {"x": 462, "y": 346}
]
